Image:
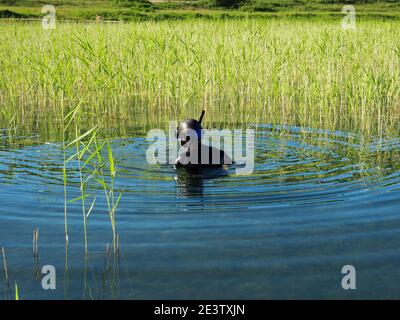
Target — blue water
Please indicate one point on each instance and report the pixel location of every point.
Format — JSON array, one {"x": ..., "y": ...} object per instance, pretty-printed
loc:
[{"x": 315, "y": 202}]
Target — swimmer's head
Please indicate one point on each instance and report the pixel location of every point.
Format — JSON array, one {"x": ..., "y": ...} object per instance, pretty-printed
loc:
[{"x": 190, "y": 130}]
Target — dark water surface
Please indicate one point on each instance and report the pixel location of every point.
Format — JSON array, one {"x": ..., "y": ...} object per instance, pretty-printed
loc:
[{"x": 315, "y": 202}]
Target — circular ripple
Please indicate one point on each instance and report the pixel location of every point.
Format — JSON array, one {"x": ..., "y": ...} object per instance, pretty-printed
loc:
[{"x": 293, "y": 167}]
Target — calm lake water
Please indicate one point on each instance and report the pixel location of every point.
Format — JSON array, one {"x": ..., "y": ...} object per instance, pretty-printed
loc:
[{"x": 314, "y": 203}]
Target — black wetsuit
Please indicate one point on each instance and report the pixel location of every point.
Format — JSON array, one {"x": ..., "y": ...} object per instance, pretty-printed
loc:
[{"x": 217, "y": 160}]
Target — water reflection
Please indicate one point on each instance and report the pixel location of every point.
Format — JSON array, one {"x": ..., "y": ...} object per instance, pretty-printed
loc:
[
  {"x": 316, "y": 200},
  {"x": 190, "y": 181}
]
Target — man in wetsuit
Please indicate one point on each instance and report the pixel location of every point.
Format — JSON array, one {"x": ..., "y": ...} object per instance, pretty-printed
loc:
[{"x": 197, "y": 154}]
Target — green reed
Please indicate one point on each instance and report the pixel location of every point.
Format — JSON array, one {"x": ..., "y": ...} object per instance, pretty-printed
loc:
[
  {"x": 6, "y": 277},
  {"x": 88, "y": 160},
  {"x": 109, "y": 189},
  {"x": 308, "y": 73},
  {"x": 4, "y": 264},
  {"x": 64, "y": 171},
  {"x": 16, "y": 291}
]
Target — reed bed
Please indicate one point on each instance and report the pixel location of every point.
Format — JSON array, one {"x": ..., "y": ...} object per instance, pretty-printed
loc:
[{"x": 298, "y": 72}]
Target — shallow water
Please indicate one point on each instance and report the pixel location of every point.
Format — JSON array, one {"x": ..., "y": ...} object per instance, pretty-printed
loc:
[{"x": 315, "y": 202}]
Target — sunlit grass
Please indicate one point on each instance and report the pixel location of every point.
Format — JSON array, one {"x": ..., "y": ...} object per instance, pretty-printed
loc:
[{"x": 310, "y": 74}]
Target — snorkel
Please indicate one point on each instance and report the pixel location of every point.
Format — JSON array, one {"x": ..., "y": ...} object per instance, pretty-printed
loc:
[{"x": 189, "y": 130}]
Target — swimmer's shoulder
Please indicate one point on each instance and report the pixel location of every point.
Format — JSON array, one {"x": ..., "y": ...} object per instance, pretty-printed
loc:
[{"x": 223, "y": 158}]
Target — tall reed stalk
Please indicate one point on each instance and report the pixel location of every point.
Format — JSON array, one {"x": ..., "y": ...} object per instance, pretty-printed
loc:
[
  {"x": 4, "y": 264},
  {"x": 64, "y": 128},
  {"x": 109, "y": 188},
  {"x": 90, "y": 164},
  {"x": 6, "y": 278}
]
